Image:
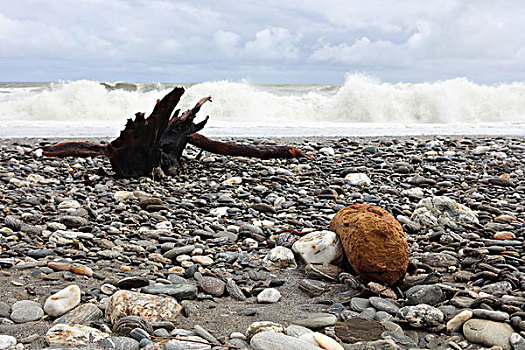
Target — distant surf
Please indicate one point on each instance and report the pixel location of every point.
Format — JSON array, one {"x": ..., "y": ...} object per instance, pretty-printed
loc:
[{"x": 362, "y": 106}]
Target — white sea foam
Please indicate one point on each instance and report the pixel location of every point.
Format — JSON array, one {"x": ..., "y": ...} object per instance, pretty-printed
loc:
[{"x": 361, "y": 105}]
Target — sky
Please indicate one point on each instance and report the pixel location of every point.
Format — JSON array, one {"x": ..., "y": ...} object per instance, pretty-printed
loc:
[{"x": 285, "y": 41}]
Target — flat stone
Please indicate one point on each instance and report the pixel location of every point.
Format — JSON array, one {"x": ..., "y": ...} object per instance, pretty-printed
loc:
[
  {"x": 119, "y": 343},
  {"x": 26, "y": 311},
  {"x": 359, "y": 304},
  {"x": 487, "y": 332},
  {"x": 384, "y": 305},
  {"x": 316, "y": 320},
  {"x": 359, "y": 329},
  {"x": 132, "y": 282},
  {"x": 313, "y": 287},
  {"x": 279, "y": 341},
  {"x": 184, "y": 291}
]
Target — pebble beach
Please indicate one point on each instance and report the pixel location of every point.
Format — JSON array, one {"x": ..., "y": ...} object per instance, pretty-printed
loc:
[{"x": 213, "y": 258}]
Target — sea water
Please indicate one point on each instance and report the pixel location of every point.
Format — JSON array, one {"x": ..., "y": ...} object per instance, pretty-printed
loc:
[{"x": 362, "y": 106}]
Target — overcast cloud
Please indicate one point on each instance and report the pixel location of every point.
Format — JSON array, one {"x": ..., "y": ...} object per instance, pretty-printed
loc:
[{"x": 294, "y": 41}]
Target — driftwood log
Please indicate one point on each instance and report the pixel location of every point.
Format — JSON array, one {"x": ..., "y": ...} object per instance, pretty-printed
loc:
[{"x": 159, "y": 140}]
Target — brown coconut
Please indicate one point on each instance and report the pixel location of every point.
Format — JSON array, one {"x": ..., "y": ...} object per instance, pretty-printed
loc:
[{"x": 374, "y": 242}]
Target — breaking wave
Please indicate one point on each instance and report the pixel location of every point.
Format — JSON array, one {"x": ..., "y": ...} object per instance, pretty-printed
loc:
[{"x": 360, "y": 100}]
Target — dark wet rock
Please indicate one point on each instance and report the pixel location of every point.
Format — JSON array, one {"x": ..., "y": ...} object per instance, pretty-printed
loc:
[
  {"x": 424, "y": 294},
  {"x": 132, "y": 282},
  {"x": 384, "y": 305}
]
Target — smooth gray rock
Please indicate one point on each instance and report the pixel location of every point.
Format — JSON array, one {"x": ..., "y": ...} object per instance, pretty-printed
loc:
[
  {"x": 119, "y": 343},
  {"x": 178, "y": 291},
  {"x": 384, "y": 305},
  {"x": 487, "y": 332},
  {"x": 26, "y": 311},
  {"x": 317, "y": 320},
  {"x": 424, "y": 294},
  {"x": 279, "y": 341}
]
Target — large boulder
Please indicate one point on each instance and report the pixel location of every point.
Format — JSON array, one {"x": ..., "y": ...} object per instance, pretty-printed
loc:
[{"x": 374, "y": 242}]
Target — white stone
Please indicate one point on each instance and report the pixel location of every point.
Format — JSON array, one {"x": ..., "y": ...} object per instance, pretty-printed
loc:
[
  {"x": 122, "y": 195},
  {"x": 221, "y": 211},
  {"x": 329, "y": 151},
  {"x": 69, "y": 204},
  {"x": 235, "y": 180},
  {"x": 280, "y": 258},
  {"x": 413, "y": 192},
  {"x": 269, "y": 295},
  {"x": 7, "y": 342},
  {"x": 282, "y": 171},
  {"x": 237, "y": 335},
  {"x": 321, "y": 340},
  {"x": 74, "y": 335},
  {"x": 164, "y": 225},
  {"x": 279, "y": 341},
  {"x": 481, "y": 150},
  {"x": 358, "y": 179},
  {"x": 319, "y": 247},
  {"x": 457, "y": 321},
  {"x": 62, "y": 301}
]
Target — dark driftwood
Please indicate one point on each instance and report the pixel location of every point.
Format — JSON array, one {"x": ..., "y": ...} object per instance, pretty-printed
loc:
[
  {"x": 159, "y": 141},
  {"x": 235, "y": 149}
]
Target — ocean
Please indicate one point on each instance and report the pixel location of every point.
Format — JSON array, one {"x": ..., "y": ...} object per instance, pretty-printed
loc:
[{"x": 361, "y": 106}]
